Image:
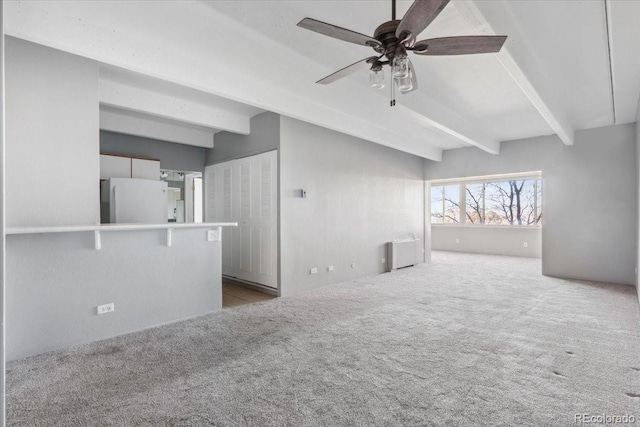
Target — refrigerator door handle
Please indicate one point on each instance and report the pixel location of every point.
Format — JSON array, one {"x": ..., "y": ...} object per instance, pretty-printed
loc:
[{"x": 115, "y": 205}]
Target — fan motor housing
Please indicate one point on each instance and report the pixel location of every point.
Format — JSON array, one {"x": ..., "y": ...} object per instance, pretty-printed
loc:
[{"x": 386, "y": 34}]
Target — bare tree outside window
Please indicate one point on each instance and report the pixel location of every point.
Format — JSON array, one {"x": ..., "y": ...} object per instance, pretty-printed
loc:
[
  {"x": 445, "y": 204},
  {"x": 452, "y": 204},
  {"x": 475, "y": 203},
  {"x": 538, "y": 201},
  {"x": 437, "y": 206},
  {"x": 511, "y": 202}
]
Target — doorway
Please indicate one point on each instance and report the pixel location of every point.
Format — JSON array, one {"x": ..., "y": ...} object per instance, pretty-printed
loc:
[
  {"x": 235, "y": 294},
  {"x": 184, "y": 195}
]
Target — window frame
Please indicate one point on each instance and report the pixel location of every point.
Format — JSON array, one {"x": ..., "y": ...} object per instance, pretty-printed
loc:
[
  {"x": 444, "y": 200},
  {"x": 535, "y": 176}
]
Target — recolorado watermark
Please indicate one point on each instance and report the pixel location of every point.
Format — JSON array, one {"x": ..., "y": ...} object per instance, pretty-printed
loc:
[{"x": 604, "y": 419}]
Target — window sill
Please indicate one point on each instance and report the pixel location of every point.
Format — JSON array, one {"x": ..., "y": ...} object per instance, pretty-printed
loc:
[{"x": 505, "y": 227}]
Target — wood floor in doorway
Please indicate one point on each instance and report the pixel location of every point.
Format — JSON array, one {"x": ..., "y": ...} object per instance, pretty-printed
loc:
[{"x": 234, "y": 295}]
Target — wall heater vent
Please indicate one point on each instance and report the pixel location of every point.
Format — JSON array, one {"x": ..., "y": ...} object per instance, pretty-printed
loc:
[{"x": 402, "y": 253}]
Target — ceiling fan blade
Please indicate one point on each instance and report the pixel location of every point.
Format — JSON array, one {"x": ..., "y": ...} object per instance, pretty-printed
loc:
[
  {"x": 338, "y": 32},
  {"x": 418, "y": 17},
  {"x": 356, "y": 66},
  {"x": 463, "y": 45}
]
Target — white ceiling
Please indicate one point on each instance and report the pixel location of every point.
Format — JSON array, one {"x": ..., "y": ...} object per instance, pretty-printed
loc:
[
  {"x": 625, "y": 37},
  {"x": 215, "y": 64}
]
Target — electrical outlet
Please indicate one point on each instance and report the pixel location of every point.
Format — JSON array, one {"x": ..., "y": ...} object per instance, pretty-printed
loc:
[
  {"x": 213, "y": 235},
  {"x": 106, "y": 308},
  {"x": 314, "y": 270},
  {"x": 526, "y": 245},
  {"x": 353, "y": 265},
  {"x": 457, "y": 240},
  {"x": 330, "y": 268},
  {"x": 384, "y": 260}
]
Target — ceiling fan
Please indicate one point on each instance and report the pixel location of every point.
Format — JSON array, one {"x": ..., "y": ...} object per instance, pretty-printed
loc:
[{"x": 393, "y": 39}]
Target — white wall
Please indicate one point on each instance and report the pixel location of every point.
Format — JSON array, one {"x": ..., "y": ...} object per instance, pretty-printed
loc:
[
  {"x": 589, "y": 197},
  {"x": 638, "y": 196},
  {"x": 2, "y": 225},
  {"x": 52, "y": 142},
  {"x": 56, "y": 281},
  {"x": 495, "y": 240},
  {"x": 359, "y": 196}
]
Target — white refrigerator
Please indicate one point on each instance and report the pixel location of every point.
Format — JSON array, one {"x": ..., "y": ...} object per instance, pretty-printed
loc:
[{"x": 133, "y": 201}]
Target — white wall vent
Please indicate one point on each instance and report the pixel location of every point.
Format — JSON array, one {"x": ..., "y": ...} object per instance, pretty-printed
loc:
[{"x": 403, "y": 253}]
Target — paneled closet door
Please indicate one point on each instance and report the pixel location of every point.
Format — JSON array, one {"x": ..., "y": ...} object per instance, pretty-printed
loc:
[
  {"x": 244, "y": 172},
  {"x": 246, "y": 191},
  {"x": 265, "y": 225}
]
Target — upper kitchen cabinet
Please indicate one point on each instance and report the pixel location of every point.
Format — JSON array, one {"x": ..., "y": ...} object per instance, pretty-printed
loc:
[
  {"x": 114, "y": 166},
  {"x": 145, "y": 169}
]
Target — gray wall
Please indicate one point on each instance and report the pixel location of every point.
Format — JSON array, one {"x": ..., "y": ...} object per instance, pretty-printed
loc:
[
  {"x": 264, "y": 136},
  {"x": 360, "y": 196},
  {"x": 56, "y": 281},
  {"x": 589, "y": 197},
  {"x": 638, "y": 196},
  {"x": 172, "y": 156},
  {"x": 495, "y": 240},
  {"x": 52, "y": 161},
  {"x": 3, "y": 369}
]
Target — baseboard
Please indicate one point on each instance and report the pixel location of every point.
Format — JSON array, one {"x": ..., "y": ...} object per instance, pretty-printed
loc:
[{"x": 251, "y": 285}]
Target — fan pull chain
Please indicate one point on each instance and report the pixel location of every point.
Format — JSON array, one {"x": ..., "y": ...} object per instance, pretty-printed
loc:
[{"x": 393, "y": 94}]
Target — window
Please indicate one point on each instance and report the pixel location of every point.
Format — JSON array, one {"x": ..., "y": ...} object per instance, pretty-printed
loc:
[
  {"x": 445, "y": 204},
  {"x": 500, "y": 203},
  {"x": 509, "y": 200},
  {"x": 474, "y": 194},
  {"x": 437, "y": 206}
]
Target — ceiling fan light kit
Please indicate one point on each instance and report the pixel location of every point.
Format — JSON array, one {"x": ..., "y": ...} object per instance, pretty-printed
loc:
[
  {"x": 400, "y": 64},
  {"x": 403, "y": 83},
  {"x": 376, "y": 76},
  {"x": 393, "y": 39}
]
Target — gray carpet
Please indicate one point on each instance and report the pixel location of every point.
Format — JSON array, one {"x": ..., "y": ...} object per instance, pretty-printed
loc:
[{"x": 467, "y": 340}]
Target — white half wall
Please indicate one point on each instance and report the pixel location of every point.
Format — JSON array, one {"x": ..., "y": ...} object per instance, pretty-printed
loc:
[
  {"x": 57, "y": 280},
  {"x": 589, "y": 197},
  {"x": 52, "y": 139},
  {"x": 359, "y": 196},
  {"x": 505, "y": 240}
]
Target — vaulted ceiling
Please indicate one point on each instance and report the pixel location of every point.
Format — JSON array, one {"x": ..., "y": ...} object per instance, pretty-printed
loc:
[{"x": 566, "y": 66}]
